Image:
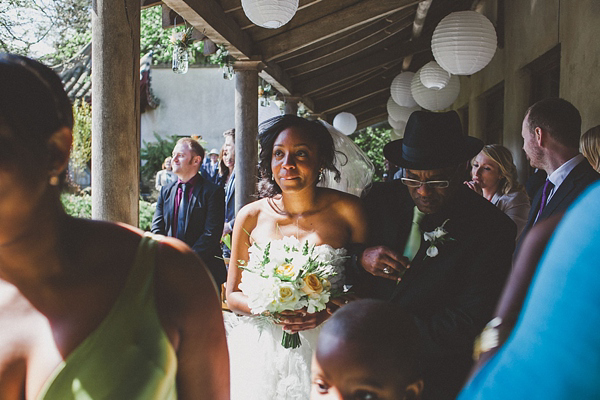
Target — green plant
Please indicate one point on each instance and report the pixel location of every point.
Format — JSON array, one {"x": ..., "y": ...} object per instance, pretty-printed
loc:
[
  {"x": 146, "y": 215},
  {"x": 77, "y": 206},
  {"x": 80, "y": 206},
  {"x": 154, "y": 154},
  {"x": 371, "y": 141},
  {"x": 81, "y": 153},
  {"x": 158, "y": 40}
]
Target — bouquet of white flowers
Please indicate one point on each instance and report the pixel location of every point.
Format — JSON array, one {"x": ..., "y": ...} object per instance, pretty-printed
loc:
[{"x": 286, "y": 274}]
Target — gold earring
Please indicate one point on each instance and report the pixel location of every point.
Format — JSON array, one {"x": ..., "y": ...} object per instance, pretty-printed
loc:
[{"x": 54, "y": 180}]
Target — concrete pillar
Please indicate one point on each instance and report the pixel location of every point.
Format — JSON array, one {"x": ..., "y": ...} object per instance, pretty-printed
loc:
[
  {"x": 116, "y": 110},
  {"x": 291, "y": 105},
  {"x": 246, "y": 131}
]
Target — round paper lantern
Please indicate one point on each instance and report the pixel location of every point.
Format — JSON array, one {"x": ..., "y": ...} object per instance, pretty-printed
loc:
[
  {"x": 433, "y": 76},
  {"x": 396, "y": 134},
  {"x": 399, "y": 113},
  {"x": 400, "y": 89},
  {"x": 270, "y": 14},
  {"x": 464, "y": 42},
  {"x": 435, "y": 100},
  {"x": 395, "y": 124},
  {"x": 345, "y": 123}
]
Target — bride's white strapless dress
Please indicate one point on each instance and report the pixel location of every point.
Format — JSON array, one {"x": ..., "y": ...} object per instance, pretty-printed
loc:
[{"x": 261, "y": 368}]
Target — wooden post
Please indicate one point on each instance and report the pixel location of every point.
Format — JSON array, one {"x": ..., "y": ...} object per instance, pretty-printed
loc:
[
  {"x": 116, "y": 110},
  {"x": 246, "y": 131}
]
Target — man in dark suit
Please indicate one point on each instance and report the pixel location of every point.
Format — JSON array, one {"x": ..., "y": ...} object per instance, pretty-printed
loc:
[
  {"x": 551, "y": 131},
  {"x": 450, "y": 283},
  {"x": 192, "y": 209}
]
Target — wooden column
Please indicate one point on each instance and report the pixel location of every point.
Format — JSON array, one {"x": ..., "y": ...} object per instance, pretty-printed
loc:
[
  {"x": 115, "y": 110},
  {"x": 246, "y": 131}
]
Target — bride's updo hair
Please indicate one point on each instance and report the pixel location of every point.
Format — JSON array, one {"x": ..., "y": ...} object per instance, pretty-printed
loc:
[{"x": 267, "y": 134}]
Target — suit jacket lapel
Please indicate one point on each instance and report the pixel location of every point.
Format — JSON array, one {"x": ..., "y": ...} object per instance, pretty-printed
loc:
[
  {"x": 568, "y": 185},
  {"x": 194, "y": 199},
  {"x": 535, "y": 206},
  {"x": 420, "y": 262},
  {"x": 230, "y": 187}
]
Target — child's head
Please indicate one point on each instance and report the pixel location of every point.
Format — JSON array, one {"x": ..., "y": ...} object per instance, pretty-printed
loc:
[{"x": 368, "y": 349}]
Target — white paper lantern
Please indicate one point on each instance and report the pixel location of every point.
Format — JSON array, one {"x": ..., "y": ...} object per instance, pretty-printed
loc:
[
  {"x": 345, "y": 123},
  {"x": 399, "y": 113},
  {"x": 396, "y": 134},
  {"x": 270, "y": 14},
  {"x": 400, "y": 89},
  {"x": 464, "y": 42},
  {"x": 395, "y": 124},
  {"x": 435, "y": 100},
  {"x": 433, "y": 76}
]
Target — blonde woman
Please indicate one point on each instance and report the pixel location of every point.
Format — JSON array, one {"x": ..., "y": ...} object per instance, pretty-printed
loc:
[
  {"x": 589, "y": 145},
  {"x": 494, "y": 176}
]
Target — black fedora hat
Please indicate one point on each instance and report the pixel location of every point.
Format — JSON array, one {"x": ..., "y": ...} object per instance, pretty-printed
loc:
[{"x": 432, "y": 141}]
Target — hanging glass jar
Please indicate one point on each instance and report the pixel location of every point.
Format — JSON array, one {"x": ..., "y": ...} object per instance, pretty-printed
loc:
[
  {"x": 180, "y": 62},
  {"x": 228, "y": 71}
]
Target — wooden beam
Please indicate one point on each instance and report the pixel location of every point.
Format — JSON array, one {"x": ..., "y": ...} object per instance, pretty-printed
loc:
[
  {"x": 230, "y": 6},
  {"x": 208, "y": 17},
  {"x": 370, "y": 61},
  {"x": 379, "y": 83},
  {"x": 149, "y": 3},
  {"x": 360, "y": 13},
  {"x": 277, "y": 78},
  {"x": 376, "y": 112},
  {"x": 307, "y": 12},
  {"x": 345, "y": 83},
  {"x": 371, "y": 121},
  {"x": 355, "y": 41},
  {"x": 378, "y": 100}
]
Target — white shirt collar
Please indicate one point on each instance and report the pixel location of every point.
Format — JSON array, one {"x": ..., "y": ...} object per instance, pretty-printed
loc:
[{"x": 561, "y": 173}]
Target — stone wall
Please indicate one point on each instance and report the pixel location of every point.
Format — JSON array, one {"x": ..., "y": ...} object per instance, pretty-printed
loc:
[{"x": 199, "y": 102}]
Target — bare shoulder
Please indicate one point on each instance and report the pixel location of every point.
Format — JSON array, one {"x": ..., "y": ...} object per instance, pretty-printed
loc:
[
  {"x": 186, "y": 292},
  {"x": 182, "y": 269},
  {"x": 248, "y": 215},
  {"x": 344, "y": 203}
]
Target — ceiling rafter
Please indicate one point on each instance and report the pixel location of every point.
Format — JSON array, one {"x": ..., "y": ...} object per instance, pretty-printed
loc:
[
  {"x": 368, "y": 62},
  {"x": 379, "y": 82},
  {"x": 359, "y": 14},
  {"x": 356, "y": 41}
]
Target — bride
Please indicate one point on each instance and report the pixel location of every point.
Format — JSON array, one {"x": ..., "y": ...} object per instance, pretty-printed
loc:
[{"x": 295, "y": 155}]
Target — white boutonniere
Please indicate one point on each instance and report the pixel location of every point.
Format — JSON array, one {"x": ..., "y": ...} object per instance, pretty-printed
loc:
[{"x": 437, "y": 237}]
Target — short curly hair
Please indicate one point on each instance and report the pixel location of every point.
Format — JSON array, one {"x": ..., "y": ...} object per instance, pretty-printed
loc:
[{"x": 269, "y": 130}]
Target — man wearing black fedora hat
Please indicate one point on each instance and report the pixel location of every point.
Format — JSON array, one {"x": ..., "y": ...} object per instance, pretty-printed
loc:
[{"x": 435, "y": 247}]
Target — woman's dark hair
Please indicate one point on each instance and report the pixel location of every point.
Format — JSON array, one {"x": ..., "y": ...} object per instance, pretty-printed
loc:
[
  {"x": 33, "y": 105},
  {"x": 267, "y": 134}
]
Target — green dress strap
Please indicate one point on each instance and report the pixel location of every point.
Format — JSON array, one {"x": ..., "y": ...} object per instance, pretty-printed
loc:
[{"x": 128, "y": 356}]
